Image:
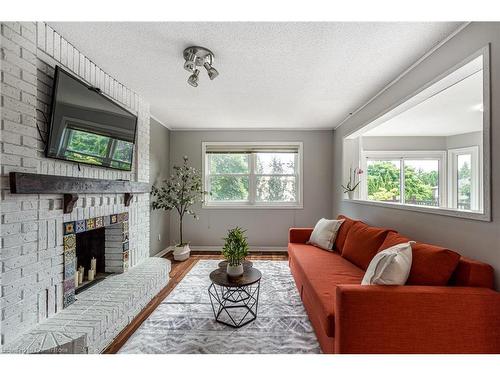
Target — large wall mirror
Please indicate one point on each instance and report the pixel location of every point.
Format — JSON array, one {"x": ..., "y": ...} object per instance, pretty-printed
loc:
[{"x": 430, "y": 152}]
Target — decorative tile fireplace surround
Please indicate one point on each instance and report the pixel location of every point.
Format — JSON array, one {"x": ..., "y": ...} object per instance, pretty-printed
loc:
[
  {"x": 115, "y": 249},
  {"x": 36, "y": 287}
]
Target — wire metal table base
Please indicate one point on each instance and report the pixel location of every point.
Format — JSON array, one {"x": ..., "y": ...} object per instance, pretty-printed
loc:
[{"x": 228, "y": 301}]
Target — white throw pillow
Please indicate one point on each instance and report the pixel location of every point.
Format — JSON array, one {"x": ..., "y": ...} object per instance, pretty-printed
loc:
[
  {"x": 324, "y": 233},
  {"x": 390, "y": 267}
]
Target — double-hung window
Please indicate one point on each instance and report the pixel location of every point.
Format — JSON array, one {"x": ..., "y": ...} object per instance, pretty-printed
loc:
[
  {"x": 252, "y": 175},
  {"x": 406, "y": 177}
]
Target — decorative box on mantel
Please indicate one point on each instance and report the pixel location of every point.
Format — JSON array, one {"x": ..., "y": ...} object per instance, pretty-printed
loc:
[{"x": 81, "y": 244}]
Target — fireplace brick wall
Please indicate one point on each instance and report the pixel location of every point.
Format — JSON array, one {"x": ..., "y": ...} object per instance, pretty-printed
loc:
[{"x": 31, "y": 257}]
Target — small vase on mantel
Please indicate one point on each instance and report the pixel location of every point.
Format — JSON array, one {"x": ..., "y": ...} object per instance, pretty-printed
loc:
[{"x": 350, "y": 194}]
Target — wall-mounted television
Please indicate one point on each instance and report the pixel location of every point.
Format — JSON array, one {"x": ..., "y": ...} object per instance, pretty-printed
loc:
[{"x": 88, "y": 127}]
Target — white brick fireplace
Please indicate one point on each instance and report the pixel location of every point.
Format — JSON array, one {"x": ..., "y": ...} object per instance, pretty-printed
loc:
[{"x": 31, "y": 258}]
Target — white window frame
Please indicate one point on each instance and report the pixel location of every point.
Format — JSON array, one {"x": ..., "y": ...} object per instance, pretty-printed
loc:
[
  {"x": 401, "y": 156},
  {"x": 252, "y": 203},
  {"x": 476, "y": 177}
]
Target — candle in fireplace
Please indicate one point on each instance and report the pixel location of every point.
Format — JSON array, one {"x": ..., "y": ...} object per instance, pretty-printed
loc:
[
  {"x": 76, "y": 278},
  {"x": 93, "y": 265},
  {"x": 91, "y": 275},
  {"x": 80, "y": 276}
]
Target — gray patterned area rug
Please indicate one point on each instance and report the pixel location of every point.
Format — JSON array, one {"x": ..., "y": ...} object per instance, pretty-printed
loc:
[{"x": 184, "y": 321}]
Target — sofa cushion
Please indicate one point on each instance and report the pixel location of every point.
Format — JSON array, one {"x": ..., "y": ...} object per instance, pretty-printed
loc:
[
  {"x": 470, "y": 272},
  {"x": 342, "y": 232},
  {"x": 431, "y": 265},
  {"x": 320, "y": 272},
  {"x": 393, "y": 238},
  {"x": 362, "y": 243}
]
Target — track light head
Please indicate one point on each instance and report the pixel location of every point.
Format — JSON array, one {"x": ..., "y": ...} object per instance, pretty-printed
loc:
[
  {"x": 190, "y": 64},
  {"x": 193, "y": 78},
  {"x": 212, "y": 72}
]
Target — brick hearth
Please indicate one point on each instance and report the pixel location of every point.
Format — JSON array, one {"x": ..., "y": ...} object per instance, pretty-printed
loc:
[{"x": 99, "y": 314}]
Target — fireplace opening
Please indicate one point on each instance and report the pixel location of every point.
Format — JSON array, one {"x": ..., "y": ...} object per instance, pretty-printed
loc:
[{"x": 90, "y": 252}]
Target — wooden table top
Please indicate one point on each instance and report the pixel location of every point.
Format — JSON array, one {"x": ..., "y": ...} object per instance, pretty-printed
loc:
[{"x": 250, "y": 276}]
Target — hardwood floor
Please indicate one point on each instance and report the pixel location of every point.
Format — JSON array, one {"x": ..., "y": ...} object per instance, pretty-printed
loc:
[{"x": 177, "y": 273}]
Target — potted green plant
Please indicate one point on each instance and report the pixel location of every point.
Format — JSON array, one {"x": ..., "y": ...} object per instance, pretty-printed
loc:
[
  {"x": 234, "y": 251},
  {"x": 353, "y": 183},
  {"x": 180, "y": 192}
]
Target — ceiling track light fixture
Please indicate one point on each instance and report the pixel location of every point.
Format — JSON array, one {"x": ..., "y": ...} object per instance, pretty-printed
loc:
[{"x": 195, "y": 58}]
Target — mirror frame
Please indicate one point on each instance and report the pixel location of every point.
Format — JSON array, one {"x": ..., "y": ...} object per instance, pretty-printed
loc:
[{"x": 486, "y": 214}]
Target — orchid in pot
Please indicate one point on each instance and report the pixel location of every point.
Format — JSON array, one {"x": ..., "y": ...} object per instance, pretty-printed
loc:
[
  {"x": 353, "y": 183},
  {"x": 180, "y": 192},
  {"x": 234, "y": 251}
]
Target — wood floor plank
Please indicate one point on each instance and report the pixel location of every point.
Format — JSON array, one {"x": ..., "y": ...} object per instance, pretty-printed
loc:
[{"x": 177, "y": 272}]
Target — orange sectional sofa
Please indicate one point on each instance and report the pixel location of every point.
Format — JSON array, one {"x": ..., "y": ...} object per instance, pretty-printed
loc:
[{"x": 448, "y": 304}]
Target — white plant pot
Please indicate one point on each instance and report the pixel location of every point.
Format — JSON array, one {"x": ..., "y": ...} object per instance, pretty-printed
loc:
[
  {"x": 350, "y": 194},
  {"x": 181, "y": 253},
  {"x": 234, "y": 271}
]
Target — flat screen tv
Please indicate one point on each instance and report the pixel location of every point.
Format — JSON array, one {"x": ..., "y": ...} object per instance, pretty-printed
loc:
[{"x": 88, "y": 127}]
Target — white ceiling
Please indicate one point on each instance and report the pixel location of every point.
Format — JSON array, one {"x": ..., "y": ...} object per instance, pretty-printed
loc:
[
  {"x": 272, "y": 75},
  {"x": 455, "y": 110}
]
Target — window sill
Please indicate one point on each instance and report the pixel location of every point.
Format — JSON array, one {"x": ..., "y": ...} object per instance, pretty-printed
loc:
[
  {"x": 252, "y": 207},
  {"x": 430, "y": 210}
]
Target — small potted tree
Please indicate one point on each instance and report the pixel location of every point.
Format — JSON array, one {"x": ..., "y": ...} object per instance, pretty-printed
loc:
[
  {"x": 234, "y": 251},
  {"x": 180, "y": 192}
]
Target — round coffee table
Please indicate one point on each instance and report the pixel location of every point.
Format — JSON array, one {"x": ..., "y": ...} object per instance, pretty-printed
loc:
[{"x": 235, "y": 299}]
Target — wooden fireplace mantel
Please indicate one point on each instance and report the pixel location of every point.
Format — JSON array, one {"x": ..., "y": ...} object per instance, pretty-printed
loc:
[{"x": 70, "y": 187}]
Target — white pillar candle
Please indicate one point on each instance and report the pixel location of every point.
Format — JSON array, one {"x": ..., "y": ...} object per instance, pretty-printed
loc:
[
  {"x": 91, "y": 275},
  {"x": 76, "y": 278},
  {"x": 80, "y": 276},
  {"x": 93, "y": 264}
]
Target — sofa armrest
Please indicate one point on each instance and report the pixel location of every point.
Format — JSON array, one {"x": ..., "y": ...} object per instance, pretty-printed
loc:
[
  {"x": 416, "y": 319},
  {"x": 299, "y": 235}
]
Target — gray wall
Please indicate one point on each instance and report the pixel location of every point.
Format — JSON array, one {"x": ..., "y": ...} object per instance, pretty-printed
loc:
[
  {"x": 404, "y": 143},
  {"x": 266, "y": 227},
  {"x": 159, "y": 161},
  {"x": 422, "y": 143},
  {"x": 476, "y": 239}
]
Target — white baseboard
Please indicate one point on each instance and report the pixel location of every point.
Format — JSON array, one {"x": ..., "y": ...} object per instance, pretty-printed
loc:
[{"x": 164, "y": 252}]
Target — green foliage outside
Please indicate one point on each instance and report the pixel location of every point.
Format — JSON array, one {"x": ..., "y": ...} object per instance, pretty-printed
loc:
[
  {"x": 229, "y": 188},
  {"x": 383, "y": 183},
  {"x": 92, "y": 148},
  {"x": 88, "y": 143},
  {"x": 276, "y": 188},
  {"x": 236, "y": 188},
  {"x": 235, "y": 246},
  {"x": 464, "y": 178}
]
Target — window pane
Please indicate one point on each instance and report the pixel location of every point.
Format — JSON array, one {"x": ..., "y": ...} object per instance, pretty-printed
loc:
[
  {"x": 464, "y": 163},
  {"x": 275, "y": 163},
  {"x": 228, "y": 163},
  {"x": 229, "y": 188},
  {"x": 422, "y": 182},
  {"x": 88, "y": 143},
  {"x": 123, "y": 151},
  {"x": 383, "y": 180},
  {"x": 276, "y": 189}
]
